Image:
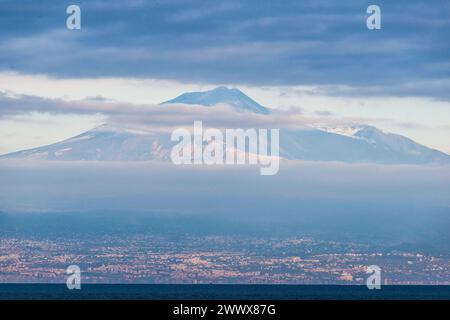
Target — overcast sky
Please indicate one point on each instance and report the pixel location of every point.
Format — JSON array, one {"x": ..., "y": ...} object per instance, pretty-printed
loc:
[{"x": 317, "y": 56}]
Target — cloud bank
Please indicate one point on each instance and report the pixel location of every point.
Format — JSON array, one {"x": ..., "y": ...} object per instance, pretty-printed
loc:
[
  {"x": 242, "y": 42},
  {"x": 405, "y": 203}
]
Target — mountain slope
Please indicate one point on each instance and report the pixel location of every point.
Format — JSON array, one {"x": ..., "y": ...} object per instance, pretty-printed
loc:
[
  {"x": 367, "y": 145},
  {"x": 103, "y": 144},
  {"x": 233, "y": 97}
]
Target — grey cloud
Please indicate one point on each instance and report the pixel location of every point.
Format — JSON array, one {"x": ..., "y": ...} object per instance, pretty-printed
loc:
[
  {"x": 162, "y": 117},
  {"x": 242, "y": 42},
  {"x": 169, "y": 116}
]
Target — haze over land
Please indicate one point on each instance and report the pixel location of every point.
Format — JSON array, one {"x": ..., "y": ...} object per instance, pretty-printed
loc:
[{"x": 335, "y": 181}]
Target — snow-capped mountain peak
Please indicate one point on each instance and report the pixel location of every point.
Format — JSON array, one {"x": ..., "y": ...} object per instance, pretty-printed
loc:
[{"x": 221, "y": 95}]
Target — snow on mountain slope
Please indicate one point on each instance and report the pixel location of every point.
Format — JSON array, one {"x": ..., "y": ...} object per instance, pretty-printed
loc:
[
  {"x": 105, "y": 144},
  {"x": 389, "y": 147},
  {"x": 368, "y": 144}
]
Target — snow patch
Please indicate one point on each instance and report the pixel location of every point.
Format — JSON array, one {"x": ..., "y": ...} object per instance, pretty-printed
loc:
[{"x": 62, "y": 151}]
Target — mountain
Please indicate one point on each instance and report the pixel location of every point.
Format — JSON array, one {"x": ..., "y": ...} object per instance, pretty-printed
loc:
[
  {"x": 367, "y": 144},
  {"x": 233, "y": 97},
  {"x": 104, "y": 143},
  {"x": 356, "y": 144},
  {"x": 362, "y": 144}
]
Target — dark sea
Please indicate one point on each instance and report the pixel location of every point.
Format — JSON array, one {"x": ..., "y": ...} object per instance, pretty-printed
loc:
[{"x": 219, "y": 292}]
